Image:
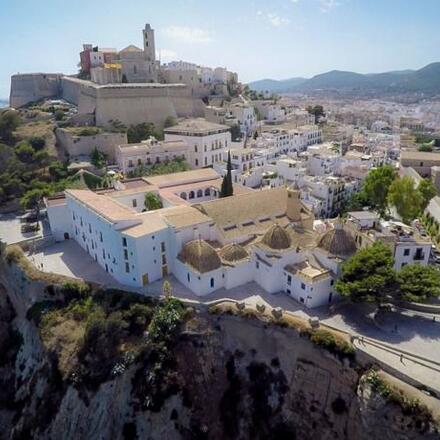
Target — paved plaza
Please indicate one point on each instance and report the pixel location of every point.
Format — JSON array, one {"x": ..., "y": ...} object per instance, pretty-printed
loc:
[{"x": 10, "y": 229}]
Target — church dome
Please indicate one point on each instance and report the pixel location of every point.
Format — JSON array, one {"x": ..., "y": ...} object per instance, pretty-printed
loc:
[
  {"x": 233, "y": 252},
  {"x": 200, "y": 255},
  {"x": 338, "y": 241},
  {"x": 276, "y": 238}
]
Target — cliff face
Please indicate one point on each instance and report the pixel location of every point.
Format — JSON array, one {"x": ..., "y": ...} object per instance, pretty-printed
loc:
[{"x": 228, "y": 378}]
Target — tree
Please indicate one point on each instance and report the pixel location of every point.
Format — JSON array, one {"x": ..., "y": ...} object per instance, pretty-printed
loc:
[
  {"x": 33, "y": 197},
  {"x": 377, "y": 184},
  {"x": 167, "y": 289},
  {"x": 227, "y": 188},
  {"x": 405, "y": 197},
  {"x": 357, "y": 202},
  {"x": 24, "y": 152},
  {"x": 235, "y": 132},
  {"x": 37, "y": 142},
  {"x": 368, "y": 274},
  {"x": 140, "y": 132},
  {"x": 57, "y": 170},
  {"x": 427, "y": 190},
  {"x": 97, "y": 158},
  {"x": 417, "y": 282},
  {"x": 317, "y": 111},
  {"x": 9, "y": 121},
  {"x": 59, "y": 115},
  {"x": 170, "y": 121},
  {"x": 425, "y": 148},
  {"x": 152, "y": 201}
]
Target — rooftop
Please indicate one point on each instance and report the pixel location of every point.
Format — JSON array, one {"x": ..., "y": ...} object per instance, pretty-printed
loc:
[
  {"x": 102, "y": 205},
  {"x": 197, "y": 125},
  {"x": 184, "y": 177}
]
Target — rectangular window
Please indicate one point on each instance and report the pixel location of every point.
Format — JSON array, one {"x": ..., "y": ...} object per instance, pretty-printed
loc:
[
  {"x": 164, "y": 259},
  {"x": 100, "y": 237},
  {"x": 303, "y": 286},
  {"x": 289, "y": 280},
  {"x": 134, "y": 203},
  {"x": 406, "y": 252},
  {"x": 124, "y": 241},
  {"x": 127, "y": 267},
  {"x": 162, "y": 246},
  {"x": 125, "y": 254}
]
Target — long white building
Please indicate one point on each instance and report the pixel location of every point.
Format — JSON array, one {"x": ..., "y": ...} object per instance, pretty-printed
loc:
[{"x": 262, "y": 236}]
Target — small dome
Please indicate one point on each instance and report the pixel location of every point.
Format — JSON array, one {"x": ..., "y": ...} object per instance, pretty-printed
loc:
[
  {"x": 338, "y": 241},
  {"x": 276, "y": 238},
  {"x": 233, "y": 252},
  {"x": 200, "y": 255}
]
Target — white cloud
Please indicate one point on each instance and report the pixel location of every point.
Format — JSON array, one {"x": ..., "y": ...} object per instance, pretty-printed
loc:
[
  {"x": 273, "y": 19},
  {"x": 188, "y": 34},
  {"x": 166, "y": 54},
  {"x": 277, "y": 21},
  {"x": 327, "y": 5}
]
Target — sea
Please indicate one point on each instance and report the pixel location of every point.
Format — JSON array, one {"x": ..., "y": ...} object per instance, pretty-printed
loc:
[{"x": 4, "y": 103}]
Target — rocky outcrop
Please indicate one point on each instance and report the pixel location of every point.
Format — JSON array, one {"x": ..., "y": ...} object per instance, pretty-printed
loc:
[{"x": 230, "y": 378}]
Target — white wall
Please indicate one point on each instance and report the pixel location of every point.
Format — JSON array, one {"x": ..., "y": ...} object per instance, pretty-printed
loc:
[{"x": 60, "y": 221}]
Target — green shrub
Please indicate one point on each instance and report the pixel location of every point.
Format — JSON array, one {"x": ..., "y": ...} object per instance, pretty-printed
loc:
[
  {"x": 330, "y": 342},
  {"x": 409, "y": 405},
  {"x": 37, "y": 142},
  {"x": 166, "y": 320},
  {"x": 74, "y": 290}
]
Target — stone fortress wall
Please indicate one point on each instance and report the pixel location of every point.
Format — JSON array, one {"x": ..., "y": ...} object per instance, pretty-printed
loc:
[
  {"x": 31, "y": 87},
  {"x": 128, "y": 103},
  {"x": 75, "y": 145}
]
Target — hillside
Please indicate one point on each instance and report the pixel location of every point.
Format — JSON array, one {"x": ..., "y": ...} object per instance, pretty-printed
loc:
[
  {"x": 425, "y": 80},
  {"x": 277, "y": 86},
  {"x": 100, "y": 364}
]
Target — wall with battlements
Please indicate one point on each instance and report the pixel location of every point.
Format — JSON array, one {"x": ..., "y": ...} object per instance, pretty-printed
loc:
[
  {"x": 133, "y": 103},
  {"x": 128, "y": 103},
  {"x": 31, "y": 87}
]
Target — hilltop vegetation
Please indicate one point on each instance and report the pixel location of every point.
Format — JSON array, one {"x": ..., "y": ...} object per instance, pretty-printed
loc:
[{"x": 29, "y": 166}]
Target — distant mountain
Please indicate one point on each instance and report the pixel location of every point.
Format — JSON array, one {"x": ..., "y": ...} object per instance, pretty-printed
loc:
[
  {"x": 274, "y": 85},
  {"x": 425, "y": 80}
]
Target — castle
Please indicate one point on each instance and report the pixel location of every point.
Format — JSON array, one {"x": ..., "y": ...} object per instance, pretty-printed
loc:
[{"x": 128, "y": 86}]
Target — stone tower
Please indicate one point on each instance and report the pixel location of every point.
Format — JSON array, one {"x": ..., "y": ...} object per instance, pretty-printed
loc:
[{"x": 149, "y": 46}]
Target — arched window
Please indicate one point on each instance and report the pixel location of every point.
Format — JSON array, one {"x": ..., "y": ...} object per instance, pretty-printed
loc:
[
  {"x": 191, "y": 194},
  {"x": 207, "y": 192},
  {"x": 199, "y": 193},
  {"x": 183, "y": 195},
  {"x": 212, "y": 282}
]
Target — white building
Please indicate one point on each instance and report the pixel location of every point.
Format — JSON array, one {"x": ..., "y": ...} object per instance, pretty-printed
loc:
[
  {"x": 262, "y": 236},
  {"x": 207, "y": 141},
  {"x": 149, "y": 152},
  {"x": 407, "y": 245}
]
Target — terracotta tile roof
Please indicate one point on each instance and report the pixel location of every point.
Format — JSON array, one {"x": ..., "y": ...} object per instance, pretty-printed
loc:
[{"x": 103, "y": 205}]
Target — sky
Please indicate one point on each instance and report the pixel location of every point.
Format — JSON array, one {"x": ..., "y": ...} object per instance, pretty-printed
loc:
[{"x": 256, "y": 38}]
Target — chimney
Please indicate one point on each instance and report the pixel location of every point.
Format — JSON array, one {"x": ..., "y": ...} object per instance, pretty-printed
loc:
[{"x": 293, "y": 205}]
